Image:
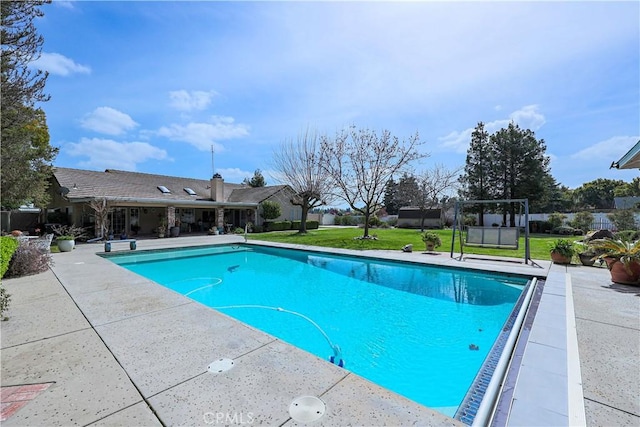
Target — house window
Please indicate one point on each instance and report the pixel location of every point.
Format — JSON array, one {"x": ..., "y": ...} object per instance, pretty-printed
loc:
[
  {"x": 163, "y": 189},
  {"x": 118, "y": 220},
  {"x": 187, "y": 216},
  {"x": 189, "y": 191}
]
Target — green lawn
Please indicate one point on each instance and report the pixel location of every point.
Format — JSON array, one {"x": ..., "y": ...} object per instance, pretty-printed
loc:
[{"x": 396, "y": 238}]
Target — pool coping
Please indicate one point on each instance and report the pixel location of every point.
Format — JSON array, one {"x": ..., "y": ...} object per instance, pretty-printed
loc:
[{"x": 369, "y": 410}]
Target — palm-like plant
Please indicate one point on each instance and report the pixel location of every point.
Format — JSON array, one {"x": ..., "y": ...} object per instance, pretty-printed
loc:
[{"x": 625, "y": 252}]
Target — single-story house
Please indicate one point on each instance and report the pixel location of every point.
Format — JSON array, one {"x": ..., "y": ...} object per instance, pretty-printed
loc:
[
  {"x": 411, "y": 217},
  {"x": 142, "y": 202}
]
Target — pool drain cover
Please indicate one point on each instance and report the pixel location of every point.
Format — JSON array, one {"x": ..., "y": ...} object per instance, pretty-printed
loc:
[
  {"x": 306, "y": 409},
  {"x": 220, "y": 365}
]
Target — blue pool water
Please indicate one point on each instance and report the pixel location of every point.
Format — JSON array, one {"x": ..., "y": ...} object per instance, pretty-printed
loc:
[{"x": 420, "y": 331}]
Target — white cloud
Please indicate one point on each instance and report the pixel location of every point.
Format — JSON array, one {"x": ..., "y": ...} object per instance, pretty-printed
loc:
[
  {"x": 614, "y": 147},
  {"x": 56, "y": 63},
  {"x": 527, "y": 117},
  {"x": 106, "y": 153},
  {"x": 234, "y": 174},
  {"x": 108, "y": 120},
  {"x": 204, "y": 135},
  {"x": 190, "y": 101},
  {"x": 67, "y": 4}
]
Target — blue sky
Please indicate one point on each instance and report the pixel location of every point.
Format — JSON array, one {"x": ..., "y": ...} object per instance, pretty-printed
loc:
[{"x": 151, "y": 86}]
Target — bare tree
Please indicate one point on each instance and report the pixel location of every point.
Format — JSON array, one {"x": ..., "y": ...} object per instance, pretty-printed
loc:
[
  {"x": 361, "y": 163},
  {"x": 299, "y": 166},
  {"x": 434, "y": 185},
  {"x": 102, "y": 207}
]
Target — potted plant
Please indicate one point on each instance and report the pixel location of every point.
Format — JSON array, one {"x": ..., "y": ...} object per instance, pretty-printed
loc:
[
  {"x": 622, "y": 258},
  {"x": 562, "y": 250},
  {"x": 162, "y": 228},
  {"x": 66, "y": 243},
  {"x": 66, "y": 236},
  {"x": 431, "y": 240},
  {"x": 587, "y": 254},
  {"x": 175, "y": 230}
]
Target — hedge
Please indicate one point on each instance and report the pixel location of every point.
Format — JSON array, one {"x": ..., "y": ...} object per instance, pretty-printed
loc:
[
  {"x": 8, "y": 246},
  {"x": 311, "y": 225},
  {"x": 278, "y": 226}
]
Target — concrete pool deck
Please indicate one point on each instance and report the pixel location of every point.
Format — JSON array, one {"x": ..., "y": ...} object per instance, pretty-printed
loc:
[{"x": 117, "y": 349}]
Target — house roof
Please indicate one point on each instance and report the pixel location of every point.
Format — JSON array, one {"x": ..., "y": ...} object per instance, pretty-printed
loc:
[
  {"x": 254, "y": 195},
  {"x": 123, "y": 185},
  {"x": 416, "y": 213},
  {"x": 626, "y": 202},
  {"x": 631, "y": 160}
]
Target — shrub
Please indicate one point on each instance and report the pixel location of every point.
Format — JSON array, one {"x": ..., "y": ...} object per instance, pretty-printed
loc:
[
  {"x": 5, "y": 298},
  {"x": 270, "y": 210},
  {"x": 582, "y": 220},
  {"x": 258, "y": 229},
  {"x": 557, "y": 219},
  {"x": 28, "y": 260},
  {"x": 312, "y": 225},
  {"x": 540, "y": 227},
  {"x": 278, "y": 226},
  {"x": 347, "y": 220},
  {"x": 295, "y": 225},
  {"x": 392, "y": 222},
  {"x": 565, "y": 230},
  {"x": 469, "y": 219},
  {"x": 374, "y": 221},
  {"x": 8, "y": 246},
  {"x": 623, "y": 219}
]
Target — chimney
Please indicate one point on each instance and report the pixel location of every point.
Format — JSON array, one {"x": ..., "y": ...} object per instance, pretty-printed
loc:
[{"x": 217, "y": 188}]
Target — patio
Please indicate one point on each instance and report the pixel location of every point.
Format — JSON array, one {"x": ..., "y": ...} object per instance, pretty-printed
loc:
[{"x": 107, "y": 347}]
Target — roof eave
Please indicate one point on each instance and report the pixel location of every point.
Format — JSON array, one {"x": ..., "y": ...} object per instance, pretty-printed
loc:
[
  {"x": 631, "y": 160},
  {"x": 156, "y": 201}
]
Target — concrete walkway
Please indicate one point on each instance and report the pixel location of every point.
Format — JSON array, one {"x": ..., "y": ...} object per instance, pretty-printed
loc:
[{"x": 117, "y": 349}]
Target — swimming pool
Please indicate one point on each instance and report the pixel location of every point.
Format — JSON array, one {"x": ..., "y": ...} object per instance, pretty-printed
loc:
[{"x": 421, "y": 331}]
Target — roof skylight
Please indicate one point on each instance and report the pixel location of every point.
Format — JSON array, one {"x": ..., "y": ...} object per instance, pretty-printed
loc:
[
  {"x": 164, "y": 189},
  {"x": 190, "y": 191}
]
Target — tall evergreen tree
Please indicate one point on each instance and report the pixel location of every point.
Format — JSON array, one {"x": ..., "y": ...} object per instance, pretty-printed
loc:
[
  {"x": 407, "y": 191},
  {"x": 519, "y": 167},
  {"x": 477, "y": 171},
  {"x": 389, "y": 199},
  {"x": 26, "y": 155},
  {"x": 256, "y": 181}
]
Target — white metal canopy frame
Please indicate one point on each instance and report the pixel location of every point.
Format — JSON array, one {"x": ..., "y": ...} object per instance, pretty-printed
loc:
[{"x": 492, "y": 237}]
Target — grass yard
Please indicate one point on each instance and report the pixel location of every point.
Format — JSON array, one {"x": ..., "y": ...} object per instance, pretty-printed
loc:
[{"x": 396, "y": 238}]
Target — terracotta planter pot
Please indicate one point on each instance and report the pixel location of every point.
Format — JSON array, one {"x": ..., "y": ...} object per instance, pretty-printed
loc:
[
  {"x": 430, "y": 246},
  {"x": 558, "y": 258},
  {"x": 619, "y": 273}
]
